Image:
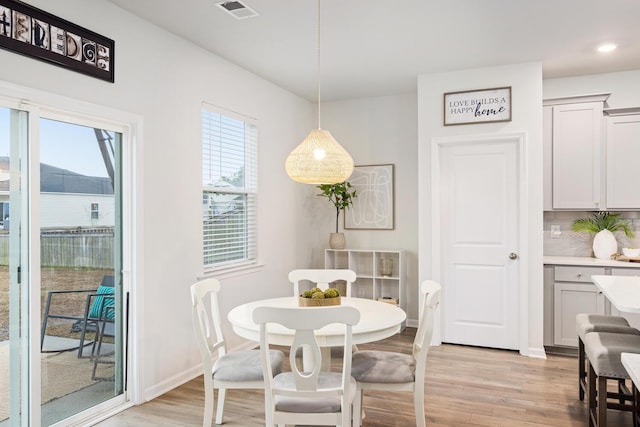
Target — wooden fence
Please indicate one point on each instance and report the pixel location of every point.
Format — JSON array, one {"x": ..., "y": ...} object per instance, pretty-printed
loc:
[{"x": 93, "y": 249}]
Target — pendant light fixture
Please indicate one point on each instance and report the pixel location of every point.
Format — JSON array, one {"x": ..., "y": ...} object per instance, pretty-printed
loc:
[{"x": 319, "y": 159}]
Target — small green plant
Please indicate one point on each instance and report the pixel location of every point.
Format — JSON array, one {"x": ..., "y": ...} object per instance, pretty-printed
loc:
[
  {"x": 341, "y": 195},
  {"x": 603, "y": 221},
  {"x": 317, "y": 293}
]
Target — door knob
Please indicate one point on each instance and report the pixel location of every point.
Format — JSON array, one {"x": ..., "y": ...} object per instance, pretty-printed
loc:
[{"x": 513, "y": 255}]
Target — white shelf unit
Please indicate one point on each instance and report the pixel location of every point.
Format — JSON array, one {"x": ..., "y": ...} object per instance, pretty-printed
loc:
[{"x": 367, "y": 264}]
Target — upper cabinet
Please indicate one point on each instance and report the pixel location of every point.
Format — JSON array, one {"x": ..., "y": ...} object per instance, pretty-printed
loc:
[
  {"x": 574, "y": 152},
  {"x": 577, "y": 141},
  {"x": 623, "y": 155}
]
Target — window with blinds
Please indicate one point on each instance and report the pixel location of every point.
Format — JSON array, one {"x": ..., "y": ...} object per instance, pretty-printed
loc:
[{"x": 229, "y": 189}]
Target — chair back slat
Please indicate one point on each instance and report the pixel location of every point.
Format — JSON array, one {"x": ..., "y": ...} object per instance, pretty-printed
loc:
[
  {"x": 206, "y": 319},
  {"x": 431, "y": 298},
  {"x": 304, "y": 343},
  {"x": 321, "y": 278}
]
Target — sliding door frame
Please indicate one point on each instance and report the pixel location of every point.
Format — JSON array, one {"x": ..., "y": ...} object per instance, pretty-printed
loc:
[{"x": 38, "y": 105}]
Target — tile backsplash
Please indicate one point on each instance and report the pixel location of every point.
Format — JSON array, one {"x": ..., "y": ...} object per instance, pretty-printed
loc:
[{"x": 571, "y": 243}]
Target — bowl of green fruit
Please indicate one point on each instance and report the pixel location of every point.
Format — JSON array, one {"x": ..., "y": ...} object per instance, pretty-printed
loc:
[{"x": 316, "y": 297}]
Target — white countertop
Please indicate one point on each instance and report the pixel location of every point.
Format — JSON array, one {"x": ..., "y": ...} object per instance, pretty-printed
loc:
[
  {"x": 631, "y": 362},
  {"x": 588, "y": 261},
  {"x": 622, "y": 291}
]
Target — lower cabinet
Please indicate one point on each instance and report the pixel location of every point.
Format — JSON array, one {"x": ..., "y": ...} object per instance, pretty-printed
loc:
[
  {"x": 573, "y": 293},
  {"x": 568, "y": 290}
]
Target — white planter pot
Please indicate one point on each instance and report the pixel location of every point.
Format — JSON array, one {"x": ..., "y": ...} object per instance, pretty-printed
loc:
[
  {"x": 604, "y": 244},
  {"x": 336, "y": 241}
]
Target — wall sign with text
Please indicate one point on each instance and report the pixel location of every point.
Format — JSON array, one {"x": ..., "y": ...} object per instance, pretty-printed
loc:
[
  {"x": 38, "y": 34},
  {"x": 477, "y": 106}
]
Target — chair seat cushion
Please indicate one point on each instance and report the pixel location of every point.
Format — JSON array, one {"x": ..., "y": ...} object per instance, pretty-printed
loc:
[
  {"x": 312, "y": 404},
  {"x": 586, "y": 323},
  {"x": 245, "y": 365},
  {"x": 603, "y": 350},
  {"x": 371, "y": 366}
]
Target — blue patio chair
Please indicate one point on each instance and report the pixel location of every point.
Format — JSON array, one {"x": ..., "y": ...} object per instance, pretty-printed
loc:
[{"x": 96, "y": 307}]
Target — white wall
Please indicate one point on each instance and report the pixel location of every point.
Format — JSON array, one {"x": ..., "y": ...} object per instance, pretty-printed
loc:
[
  {"x": 380, "y": 130},
  {"x": 164, "y": 80},
  {"x": 526, "y": 83}
]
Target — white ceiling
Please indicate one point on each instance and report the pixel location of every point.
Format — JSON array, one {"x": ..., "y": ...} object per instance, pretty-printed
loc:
[{"x": 379, "y": 47}]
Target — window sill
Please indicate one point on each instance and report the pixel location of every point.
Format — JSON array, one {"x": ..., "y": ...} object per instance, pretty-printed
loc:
[{"x": 228, "y": 272}]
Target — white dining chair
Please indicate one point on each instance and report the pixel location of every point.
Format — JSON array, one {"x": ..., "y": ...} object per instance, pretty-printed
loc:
[
  {"x": 223, "y": 370},
  {"x": 312, "y": 396},
  {"x": 392, "y": 371},
  {"x": 322, "y": 278}
]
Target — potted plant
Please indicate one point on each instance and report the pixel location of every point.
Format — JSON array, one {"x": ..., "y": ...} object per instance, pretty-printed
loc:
[
  {"x": 603, "y": 225},
  {"x": 341, "y": 195}
]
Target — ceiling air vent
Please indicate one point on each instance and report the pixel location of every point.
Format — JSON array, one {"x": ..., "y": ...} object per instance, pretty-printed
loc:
[{"x": 237, "y": 9}]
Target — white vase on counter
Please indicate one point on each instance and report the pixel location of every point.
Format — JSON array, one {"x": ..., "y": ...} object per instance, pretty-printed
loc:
[{"x": 604, "y": 244}]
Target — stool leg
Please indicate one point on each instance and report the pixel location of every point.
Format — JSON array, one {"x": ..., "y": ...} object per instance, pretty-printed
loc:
[
  {"x": 622, "y": 390},
  {"x": 602, "y": 401},
  {"x": 591, "y": 395},
  {"x": 636, "y": 406},
  {"x": 582, "y": 373}
]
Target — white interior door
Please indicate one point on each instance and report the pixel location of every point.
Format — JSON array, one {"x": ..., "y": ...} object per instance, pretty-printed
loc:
[{"x": 479, "y": 215}]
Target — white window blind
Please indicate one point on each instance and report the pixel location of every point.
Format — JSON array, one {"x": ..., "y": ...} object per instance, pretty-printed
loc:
[{"x": 229, "y": 189}]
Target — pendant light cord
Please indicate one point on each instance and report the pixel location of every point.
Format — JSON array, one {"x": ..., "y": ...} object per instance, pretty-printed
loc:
[{"x": 319, "y": 114}]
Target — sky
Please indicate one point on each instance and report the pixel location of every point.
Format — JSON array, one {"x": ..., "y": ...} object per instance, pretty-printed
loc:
[{"x": 63, "y": 145}]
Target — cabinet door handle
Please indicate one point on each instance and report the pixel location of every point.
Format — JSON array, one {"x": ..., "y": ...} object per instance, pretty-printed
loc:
[{"x": 579, "y": 275}]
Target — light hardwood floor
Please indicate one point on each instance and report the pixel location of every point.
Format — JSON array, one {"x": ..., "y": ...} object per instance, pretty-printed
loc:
[{"x": 465, "y": 386}]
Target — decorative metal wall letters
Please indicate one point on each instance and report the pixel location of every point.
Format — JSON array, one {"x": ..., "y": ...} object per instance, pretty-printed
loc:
[{"x": 38, "y": 34}]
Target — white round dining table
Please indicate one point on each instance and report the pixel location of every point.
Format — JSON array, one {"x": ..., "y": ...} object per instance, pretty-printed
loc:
[{"x": 378, "y": 320}]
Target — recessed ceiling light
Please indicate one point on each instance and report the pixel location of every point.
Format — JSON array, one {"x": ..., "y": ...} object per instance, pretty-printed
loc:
[{"x": 607, "y": 47}]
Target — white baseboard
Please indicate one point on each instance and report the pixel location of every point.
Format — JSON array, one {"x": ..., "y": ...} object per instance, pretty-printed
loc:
[
  {"x": 538, "y": 353},
  {"x": 412, "y": 323},
  {"x": 172, "y": 382},
  {"x": 186, "y": 375}
]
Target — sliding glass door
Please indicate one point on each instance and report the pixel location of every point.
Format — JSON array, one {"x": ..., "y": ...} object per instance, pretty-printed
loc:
[
  {"x": 14, "y": 267},
  {"x": 80, "y": 265},
  {"x": 62, "y": 303}
]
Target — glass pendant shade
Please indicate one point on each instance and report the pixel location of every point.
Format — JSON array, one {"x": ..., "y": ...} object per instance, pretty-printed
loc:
[{"x": 319, "y": 159}]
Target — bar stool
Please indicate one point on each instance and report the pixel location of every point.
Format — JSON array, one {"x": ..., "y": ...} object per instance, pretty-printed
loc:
[
  {"x": 603, "y": 350},
  {"x": 586, "y": 323}
]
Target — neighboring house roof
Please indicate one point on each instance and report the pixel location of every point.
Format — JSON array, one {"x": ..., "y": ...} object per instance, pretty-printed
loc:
[{"x": 58, "y": 180}]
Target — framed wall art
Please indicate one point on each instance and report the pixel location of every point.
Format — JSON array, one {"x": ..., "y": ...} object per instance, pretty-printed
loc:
[
  {"x": 37, "y": 34},
  {"x": 477, "y": 106},
  {"x": 373, "y": 208}
]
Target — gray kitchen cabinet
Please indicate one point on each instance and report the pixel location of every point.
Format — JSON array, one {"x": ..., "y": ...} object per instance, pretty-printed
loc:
[
  {"x": 623, "y": 152},
  {"x": 618, "y": 271},
  {"x": 573, "y": 145},
  {"x": 547, "y": 144},
  {"x": 548, "y": 305},
  {"x": 568, "y": 290},
  {"x": 573, "y": 293}
]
